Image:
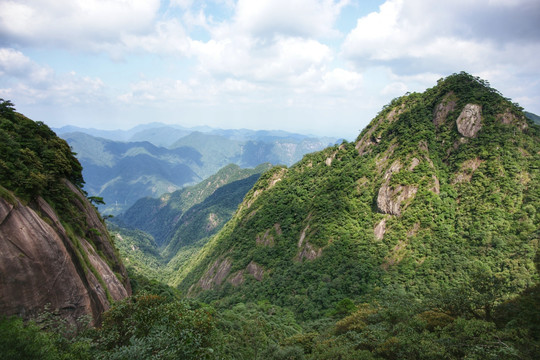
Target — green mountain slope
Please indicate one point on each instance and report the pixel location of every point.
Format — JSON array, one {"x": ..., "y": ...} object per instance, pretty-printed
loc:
[
  {"x": 442, "y": 188},
  {"x": 157, "y": 237},
  {"x": 161, "y": 217}
]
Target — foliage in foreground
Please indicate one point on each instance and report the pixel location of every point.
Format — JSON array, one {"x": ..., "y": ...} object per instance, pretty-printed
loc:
[{"x": 392, "y": 325}]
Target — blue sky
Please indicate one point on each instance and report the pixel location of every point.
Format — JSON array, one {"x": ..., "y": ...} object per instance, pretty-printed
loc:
[{"x": 324, "y": 67}]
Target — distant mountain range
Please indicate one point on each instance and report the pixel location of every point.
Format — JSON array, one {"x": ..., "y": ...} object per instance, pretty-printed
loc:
[
  {"x": 535, "y": 118},
  {"x": 123, "y": 166},
  {"x": 166, "y": 135}
]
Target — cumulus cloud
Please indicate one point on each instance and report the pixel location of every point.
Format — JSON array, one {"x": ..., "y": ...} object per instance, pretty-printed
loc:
[
  {"x": 15, "y": 64},
  {"x": 168, "y": 37},
  {"x": 305, "y": 18},
  {"x": 416, "y": 36},
  {"x": 74, "y": 23},
  {"x": 243, "y": 57},
  {"x": 30, "y": 82},
  {"x": 340, "y": 79},
  {"x": 274, "y": 44},
  {"x": 115, "y": 27}
]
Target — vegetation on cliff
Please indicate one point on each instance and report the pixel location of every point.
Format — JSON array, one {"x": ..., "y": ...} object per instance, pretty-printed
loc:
[
  {"x": 55, "y": 248},
  {"x": 34, "y": 161}
]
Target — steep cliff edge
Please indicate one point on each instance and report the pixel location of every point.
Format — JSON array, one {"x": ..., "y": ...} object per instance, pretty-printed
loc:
[{"x": 55, "y": 250}]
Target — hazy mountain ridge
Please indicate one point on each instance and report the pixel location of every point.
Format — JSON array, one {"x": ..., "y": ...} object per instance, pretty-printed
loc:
[
  {"x": 535, "y": 118},
  {"x": 165, "y": 135},
  {"x": 439, "y": 188},
  {"x": 123, "y": 172}
]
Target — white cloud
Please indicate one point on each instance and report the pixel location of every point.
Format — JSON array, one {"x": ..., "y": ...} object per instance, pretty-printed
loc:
[
  {"x": 415, "y": 36},
  {"x": 395, "y": 89},
  {"x": 168, "y": 37},
  {"x": 305, "y": 18},
  {"x": 284, "y": 59},
  {"x": 184, "y": 4},
  {"x": 340, "y": 79},
  {"x": 418, "y": 43},
  {"x": 15, "y": 64},
  {"x": 25, "y": 80},
  {"x": 75, "y": 24},
  {"x": 157, "y": 91}
]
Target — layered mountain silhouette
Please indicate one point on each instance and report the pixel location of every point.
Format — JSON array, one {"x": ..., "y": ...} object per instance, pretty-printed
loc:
[{"x": 124, "y": 166}]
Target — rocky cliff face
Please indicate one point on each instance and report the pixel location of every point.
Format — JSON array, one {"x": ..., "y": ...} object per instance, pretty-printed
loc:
[{"x": 44, "y": 264}]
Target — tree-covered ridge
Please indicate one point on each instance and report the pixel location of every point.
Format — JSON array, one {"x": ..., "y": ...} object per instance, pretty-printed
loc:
[
  {"x": 426, "y": 198},
  {"x": 34, "y": 163},
  {"x": 32, "y": 158}
]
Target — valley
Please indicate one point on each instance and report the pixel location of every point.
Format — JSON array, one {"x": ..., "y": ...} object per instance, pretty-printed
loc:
[{"x": 417, "y": 240}]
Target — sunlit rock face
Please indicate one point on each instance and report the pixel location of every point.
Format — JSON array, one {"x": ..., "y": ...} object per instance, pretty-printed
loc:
[{"x": 41, "y": 266}]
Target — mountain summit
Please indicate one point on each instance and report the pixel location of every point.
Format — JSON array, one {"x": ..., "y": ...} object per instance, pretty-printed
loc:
[{"x": 439, "y": 194}]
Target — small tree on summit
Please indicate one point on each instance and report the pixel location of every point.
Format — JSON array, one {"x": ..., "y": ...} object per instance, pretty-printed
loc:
[{"x": 7, "y": 109}]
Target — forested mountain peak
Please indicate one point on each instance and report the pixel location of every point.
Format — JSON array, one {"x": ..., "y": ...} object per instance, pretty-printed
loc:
[{"x": 441, "y": 188}]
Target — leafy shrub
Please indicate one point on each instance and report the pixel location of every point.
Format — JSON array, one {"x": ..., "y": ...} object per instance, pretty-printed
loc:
[{"x": 152, "y": 327}]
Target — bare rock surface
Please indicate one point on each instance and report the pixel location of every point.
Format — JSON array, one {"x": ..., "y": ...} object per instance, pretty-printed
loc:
[
  {"x": 267, "y": 239},
  {"x": 215, "y": 274},
  {"x": 469, "y": 121},
  {"x": 307, "y": 250},
  {"x": 390, "y": 199},
  {"x": 40, "y": 265},
  {"x": 256, "y": 270},
  {"x": 253, "y": 269},
  {"x": 380, "y": 229},
  {"x": 447, "y": 105}
]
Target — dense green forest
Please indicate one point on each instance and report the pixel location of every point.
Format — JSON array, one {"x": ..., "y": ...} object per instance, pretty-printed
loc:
[
  {"x": 34, "y": 162},
  {"x": 417, "y": 241},
  {"x": 395, "y": 325}
]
